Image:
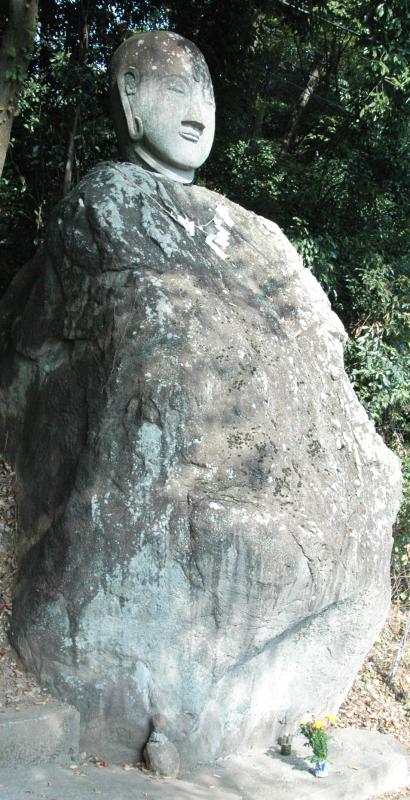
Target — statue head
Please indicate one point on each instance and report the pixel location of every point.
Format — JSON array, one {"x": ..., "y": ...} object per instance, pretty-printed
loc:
[{"x": 163, "y": 103}]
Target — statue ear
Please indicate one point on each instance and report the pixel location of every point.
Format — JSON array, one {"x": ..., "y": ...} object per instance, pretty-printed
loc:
[{"x": 127, "y": 86}]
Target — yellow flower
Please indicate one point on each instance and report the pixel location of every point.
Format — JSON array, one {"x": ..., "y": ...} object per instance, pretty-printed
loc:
[
  {"x": 303, "y": 721},
  {"x": 317, "y": 725},
  {"x": 331, "y": 718}
]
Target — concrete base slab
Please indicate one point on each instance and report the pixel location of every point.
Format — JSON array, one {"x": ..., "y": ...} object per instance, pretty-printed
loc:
[
  {"x": 363, "y": 764},
  {"x": 39, "y": 734}
]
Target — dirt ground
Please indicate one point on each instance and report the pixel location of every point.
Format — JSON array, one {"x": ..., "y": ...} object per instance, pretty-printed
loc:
[{"x": 374, "y": 701}]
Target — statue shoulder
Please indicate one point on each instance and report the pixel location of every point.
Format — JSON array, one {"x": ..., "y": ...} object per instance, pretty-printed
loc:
[
  {"x": 99, "y": 224},
  {"x": 110, "y": 177}
]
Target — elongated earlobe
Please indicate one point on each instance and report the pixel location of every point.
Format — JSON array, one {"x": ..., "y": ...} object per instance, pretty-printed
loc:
[
  {"x": 138, "y": 131},
  {"x": 127, "y": 87}
]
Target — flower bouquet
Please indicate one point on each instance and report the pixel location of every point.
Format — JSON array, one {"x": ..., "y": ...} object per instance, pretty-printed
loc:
[{"x": 316, "y": 733}]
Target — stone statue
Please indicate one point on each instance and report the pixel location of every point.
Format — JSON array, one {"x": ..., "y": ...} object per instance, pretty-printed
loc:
[
  {"x": 163, "y": 104},
  {"x": 205, "y": 509}
]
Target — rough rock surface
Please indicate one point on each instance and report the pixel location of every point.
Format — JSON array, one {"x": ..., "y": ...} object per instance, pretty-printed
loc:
[
  {"x": 161, "y": 756},
  {"x": 204, "y": 508}
]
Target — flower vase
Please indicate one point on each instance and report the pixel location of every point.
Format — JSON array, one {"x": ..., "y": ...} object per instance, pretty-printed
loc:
[{"x": 321, "y": 769}]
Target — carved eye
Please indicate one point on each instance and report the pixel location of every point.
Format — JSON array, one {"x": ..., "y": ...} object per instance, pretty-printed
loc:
[{"x": 177, "y": 86}]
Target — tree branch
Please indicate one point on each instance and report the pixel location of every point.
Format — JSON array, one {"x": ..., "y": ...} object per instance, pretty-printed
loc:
[{"x": 304, "y": 98}]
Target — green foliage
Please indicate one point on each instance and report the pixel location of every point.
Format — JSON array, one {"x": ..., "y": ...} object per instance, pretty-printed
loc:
[
  {"x": 320, "y": 254},
  {"x": 254, "y": 167},
  {"x": 401, "y": 547}
]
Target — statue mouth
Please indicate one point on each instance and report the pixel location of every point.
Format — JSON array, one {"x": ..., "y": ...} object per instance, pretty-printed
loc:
[{"x": 191, "y": 131}]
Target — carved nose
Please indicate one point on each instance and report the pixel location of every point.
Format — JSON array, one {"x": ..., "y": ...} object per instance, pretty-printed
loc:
[{"x": 195, "y": 111}]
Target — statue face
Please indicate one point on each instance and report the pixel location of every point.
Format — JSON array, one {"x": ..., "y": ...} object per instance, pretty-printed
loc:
[
  {"x": 177, "y": 110},
  {"x": 167, "y": 114}
]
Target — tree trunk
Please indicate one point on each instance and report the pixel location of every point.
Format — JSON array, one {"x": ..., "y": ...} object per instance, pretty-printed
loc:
[
  {"x": 258, "y": 120},
  {"x": 304, "y": 98},
  {"x": 87, "y": 7},
  {"x": 15, "y": 53},
  {"x": 68, "y": 172}
]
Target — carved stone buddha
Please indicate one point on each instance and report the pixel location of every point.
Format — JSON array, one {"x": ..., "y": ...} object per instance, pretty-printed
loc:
[{"x": 163, "y": 104}]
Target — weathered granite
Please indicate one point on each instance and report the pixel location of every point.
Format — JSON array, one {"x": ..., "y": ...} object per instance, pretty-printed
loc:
[
  {"x": 204, "y": 505},
  {"x": 161, "y": 756}
]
